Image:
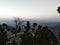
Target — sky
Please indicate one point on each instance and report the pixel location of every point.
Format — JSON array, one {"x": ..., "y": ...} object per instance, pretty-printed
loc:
[{"x": 29, "y": 9}]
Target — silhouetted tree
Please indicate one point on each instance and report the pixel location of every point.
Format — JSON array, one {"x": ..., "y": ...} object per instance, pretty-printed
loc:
[
  {"x": 34, "y": 27},
  {"x": 34, "y": 24},
  {"x": 27, "y": 36},
  {"x": 19, "y": 29},
  {"x": 36, "y": 40},
  {"x": 59, "y": 36},
  {"x": 27, "y": 39},
  {"x": 3, "y": 34},
  {"x": 44, "y": 36},
  {"x": 58, "y": 9},
  {"x": 18, "y": 22},
  {"x": 59, "y": 29},
  {"x": 27, "y": 27}
]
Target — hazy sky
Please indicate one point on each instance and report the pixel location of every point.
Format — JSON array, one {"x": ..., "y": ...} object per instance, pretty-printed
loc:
[{"x": 29, "y": 9}]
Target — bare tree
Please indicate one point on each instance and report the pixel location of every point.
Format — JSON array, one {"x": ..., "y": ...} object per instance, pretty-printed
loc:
[{"x": 17, "y": 22}]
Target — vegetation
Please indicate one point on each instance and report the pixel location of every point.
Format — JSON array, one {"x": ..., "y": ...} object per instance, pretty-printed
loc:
[
  {"x": 59, "y": 29},
  {"x": 3, "y": 36},
  {"x": 42, "y": 36},
  {"x": 38, "y": 36},
  {"x": 17, "y": 22}
]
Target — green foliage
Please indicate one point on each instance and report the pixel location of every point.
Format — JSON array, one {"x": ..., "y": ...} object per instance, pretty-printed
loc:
[
  {"x": 27, "y": 39},
  {"x": 13, "y": 43},
  {"x": 3, "y": 37},
  {"x": 39, "y": 36},
  {"x": 42, "y": 36},
  {"x": 27, "y": 36}
]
